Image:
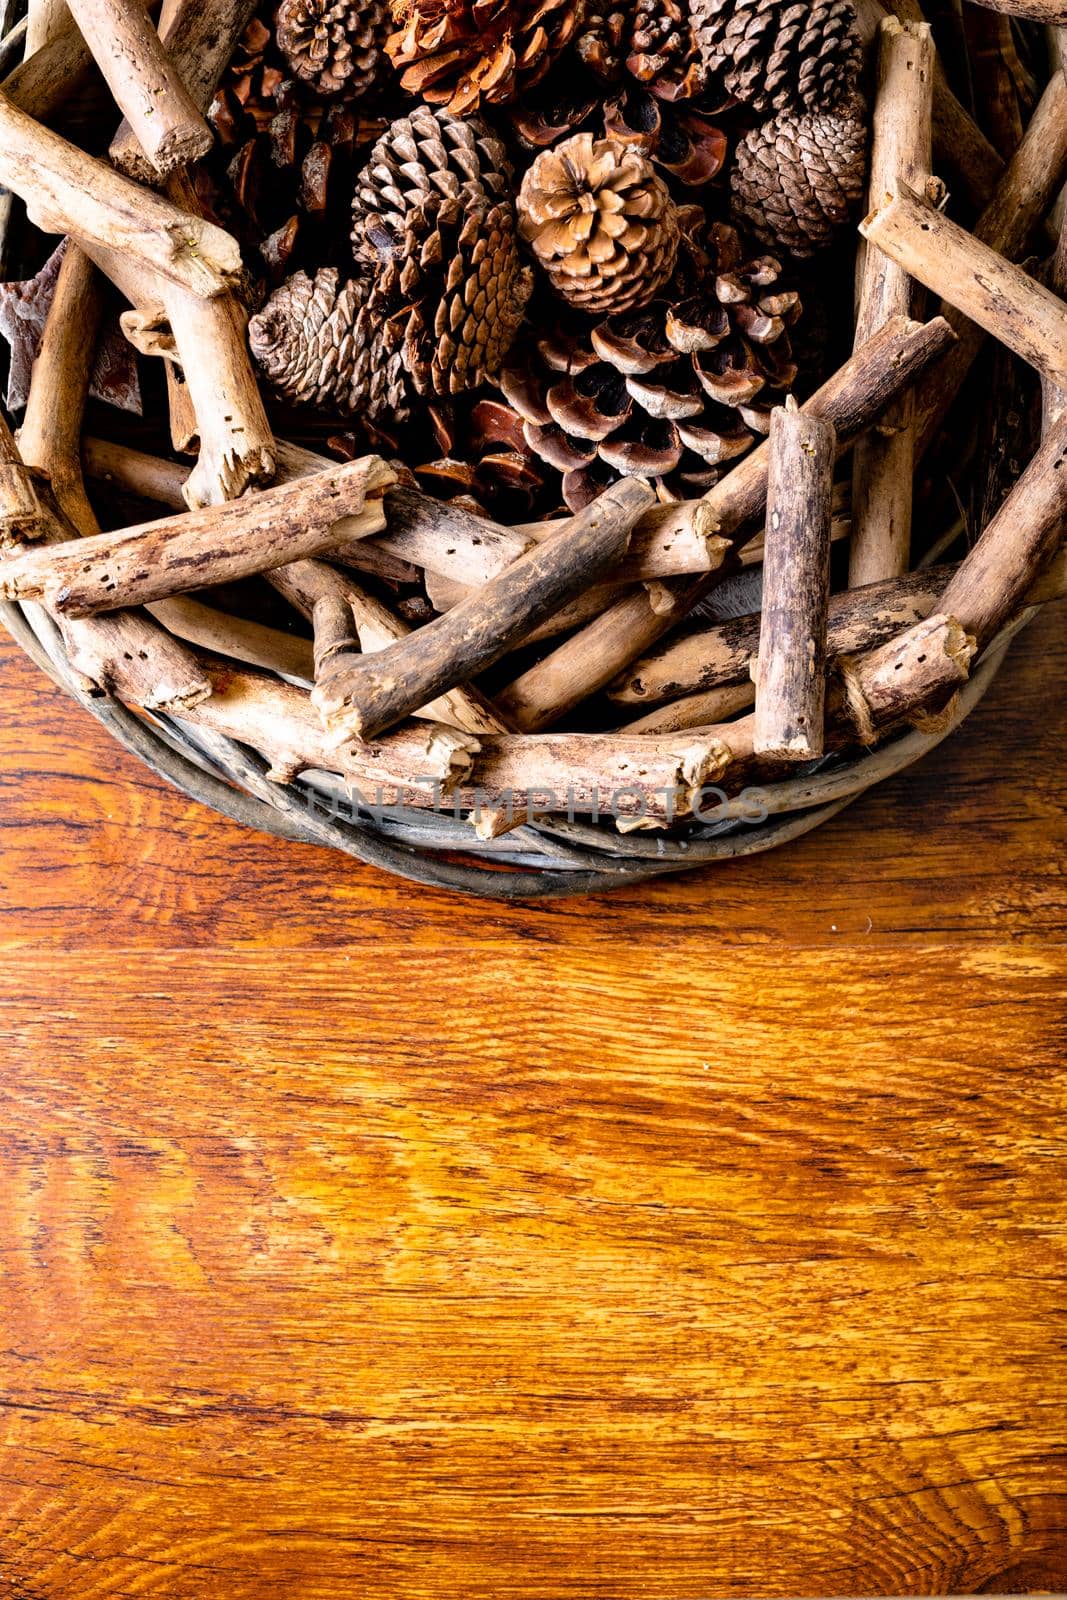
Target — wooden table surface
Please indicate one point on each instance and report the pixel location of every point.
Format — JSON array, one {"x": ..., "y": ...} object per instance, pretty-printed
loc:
[{"x": 703, "y": 1240}]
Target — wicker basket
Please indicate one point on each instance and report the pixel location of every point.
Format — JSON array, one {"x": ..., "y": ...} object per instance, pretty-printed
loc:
[{"x": 550, "y": 856}]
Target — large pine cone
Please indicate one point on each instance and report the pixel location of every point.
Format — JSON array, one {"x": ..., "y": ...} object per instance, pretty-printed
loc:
[
  {"x": 780, "y": 55},
  {"x": 601, "y": 223},
  {"x": 458, "y": 53},
  {"x": 675, "y": 392},
  {"x": 434, "y": 235},
  {"x": 334, "y": 45},
  {"x": 318, "y": 344},
  {"x": 797, "y": 179}
]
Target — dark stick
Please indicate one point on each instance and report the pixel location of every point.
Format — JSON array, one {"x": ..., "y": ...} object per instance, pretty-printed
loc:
[
  {"x": 383, "y": 688},
  {"x": 791, "y": 674}
]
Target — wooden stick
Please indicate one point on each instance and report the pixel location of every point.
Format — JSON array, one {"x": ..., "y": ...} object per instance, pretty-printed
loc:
[
  {"x": 124, "y": 654},
  {"x": 199, "y": 41},
  {"x": 22, "y": 517},
  {"x": 991, "y": 584},
  {"x": 52, "y": 72},
  {"x": 248, "y": 642},
  {"x": 67, "y": 191},
  {"x": 1023, "y": 198},
  {"x": 45, "y": 21},
  {"x": 998, "y": 296},
  {"x": 145, "y": 84},
  {"x": 884, "y": 462},
  {"x": 348, "y": 620},
  {"x": 791, "y": 674},
  {"x": 962, "y": 148},
  {"x": 726, "y": 655},
  {"x": 462, "y": 707},
  {"x": 992, "y": 61},
  {"x": 207, "y": 338},
  {"x": 1055, "y": 394},
  {"x": 913, "y": 672},
  {"x": 217, "y": 545},
  {"x": 381, "y": 689},
  {"x": 695, "y": 710},
  {"x": 421, "y": 761},
  {"x": 852, "y": 400},
  {"x": 1052, "y": 11},
  {"x": 50, "y": 436}
]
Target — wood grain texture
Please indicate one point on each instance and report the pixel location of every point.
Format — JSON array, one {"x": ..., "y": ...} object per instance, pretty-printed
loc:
[{"x": 702, "y": 1240}]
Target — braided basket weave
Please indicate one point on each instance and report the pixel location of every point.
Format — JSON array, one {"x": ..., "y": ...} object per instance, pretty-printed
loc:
[{"x": 551, "y": 857}]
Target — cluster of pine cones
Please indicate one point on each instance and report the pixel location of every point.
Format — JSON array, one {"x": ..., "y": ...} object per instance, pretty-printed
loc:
[{"x": 535, "y": 245}]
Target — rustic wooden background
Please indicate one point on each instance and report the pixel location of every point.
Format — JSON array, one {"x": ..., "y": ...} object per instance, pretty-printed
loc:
[{"x": 706, "y": 1240}]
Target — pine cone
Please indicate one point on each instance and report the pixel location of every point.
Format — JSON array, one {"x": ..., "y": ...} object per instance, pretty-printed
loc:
[
  {"x": 674, "y": 392},
  {"x": 457, "y": 53},
  {"x": 780, "y": 55},
  {"x": 318, "y": 344},
  {"x": 601, "y": 223},
  {"x": 796, "y": 179},
  {"x": 652, "y": 40},
  {"x": 334, "y": 45},
  {"x": 434, "y": 235}
]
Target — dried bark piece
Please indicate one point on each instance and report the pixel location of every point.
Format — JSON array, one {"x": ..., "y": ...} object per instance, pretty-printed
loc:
[{"x": 24, "y": 309}]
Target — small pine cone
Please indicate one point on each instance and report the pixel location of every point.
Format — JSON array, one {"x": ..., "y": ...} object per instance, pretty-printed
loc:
[
  {"x": 796, "y": 179},
  {"x": 334, "y": 45},
  {"x": 664, "y": 52},
  {"x": 318, "y": 343},
  {"x": 459, "y": 53},
  {"x": 601, "y": 223},
  {"x": 780, "y": 55},
  {"x": 434, "y": 236}
]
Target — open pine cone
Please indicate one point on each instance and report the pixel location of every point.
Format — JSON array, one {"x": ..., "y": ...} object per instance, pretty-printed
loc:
[
  {"x": 651, "y": 40},
  {"x": 334, "y": 45},
  {"x": 780, "y": 55},
  {"x": 459, "y": 53},
  {"x": 674, "y": 392},
  {"x": 434, "y": 235},
  {"x": 797, "y": 179},
  {"x": 601, "y": 223}
]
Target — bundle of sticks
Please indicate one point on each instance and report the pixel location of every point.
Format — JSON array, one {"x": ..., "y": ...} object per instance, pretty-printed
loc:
[{"x": 594, "y": 602}]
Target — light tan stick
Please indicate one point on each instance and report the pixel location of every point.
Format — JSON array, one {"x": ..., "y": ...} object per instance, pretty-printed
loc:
[
  {"x": 1023, "y": 198},
  {"x": 52, "y": 72},
  {"x": 962, "y": 148},
  {"x": 45, "y": 21},
  {"x": 145, "y": 84},
  {"x": 215, "y": 545},
  {"x": 236, "y": 637},
  {"x": 50, "y": 436},
  {"x": 1055, "y": 394},
  {"x": 915, "y": 671},
  {"x": 124, "y": 654},
  {"x": 67, "y": 191},
  {"x": 791, "y": 672},
  {"x": 199, "y": 41},
  {"x": 852, "y": 399},
  {"x": 420, "y": 761},
  {"x": 207, "y": 338},
  {"x": 884, "y": 461},
  {"x": 991, "y": 584},
  {"x": 695, "y": 710},
  {"x": 998, "y": 296}
]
